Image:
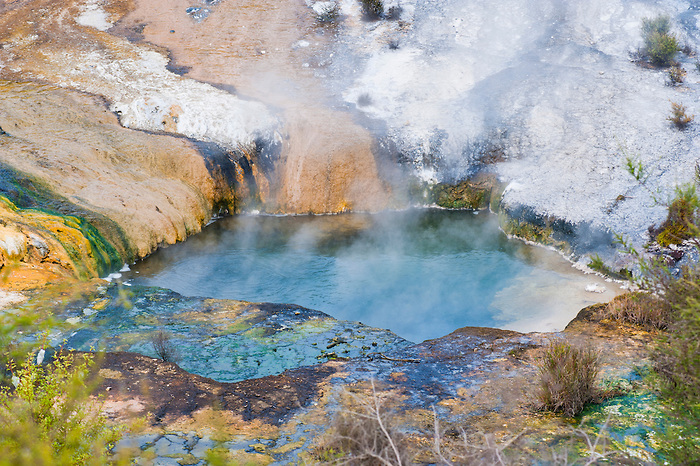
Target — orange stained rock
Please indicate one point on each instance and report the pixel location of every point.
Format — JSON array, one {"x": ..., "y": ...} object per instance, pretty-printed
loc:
[{"x": 255, "y": 47}]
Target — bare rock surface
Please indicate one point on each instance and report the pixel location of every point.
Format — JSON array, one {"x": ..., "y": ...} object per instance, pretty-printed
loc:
[{"x": 474, "y": 380}]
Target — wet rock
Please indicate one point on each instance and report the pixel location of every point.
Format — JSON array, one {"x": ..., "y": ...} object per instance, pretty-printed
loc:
[
  {"x": 225, "y": 340},
  {"x": 477, "y": 380}
]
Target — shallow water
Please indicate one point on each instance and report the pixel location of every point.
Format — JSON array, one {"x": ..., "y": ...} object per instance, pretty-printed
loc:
[{"x": 420, "y": 273}]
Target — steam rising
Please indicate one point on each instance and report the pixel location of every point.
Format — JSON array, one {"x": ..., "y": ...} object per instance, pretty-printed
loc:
[
  {"x": 551, "y": 84},
  {"x": 421, "y": 274}
]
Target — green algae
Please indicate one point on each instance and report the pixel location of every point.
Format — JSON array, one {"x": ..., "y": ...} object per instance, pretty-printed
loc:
[
  {"x": 104, "y": 257},
  {"x": 530, "y": 231},
  {"x": 631, "y": 423},
  {"x": 26, "y": 195},
  {"x": 278, "y": 337}
]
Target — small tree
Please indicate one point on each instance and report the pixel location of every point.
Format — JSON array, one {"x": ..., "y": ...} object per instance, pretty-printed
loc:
[{"x": 164, "y": 347}]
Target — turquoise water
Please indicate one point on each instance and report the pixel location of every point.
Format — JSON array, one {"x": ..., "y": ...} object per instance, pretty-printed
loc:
[{"x": 420, "y": 273}]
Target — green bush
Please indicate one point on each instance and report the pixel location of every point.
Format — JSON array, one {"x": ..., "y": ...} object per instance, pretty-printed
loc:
[
  {"x": 47, "y": 418},
  {"x": 677, "y": 361},
  {"x": 660, "y": 46},
  {"x": 567, "y": 377},
  {"x": 676, "y": 354}
]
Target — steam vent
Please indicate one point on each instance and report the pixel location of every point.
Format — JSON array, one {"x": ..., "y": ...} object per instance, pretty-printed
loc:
[{"x": 349, "y": 232}]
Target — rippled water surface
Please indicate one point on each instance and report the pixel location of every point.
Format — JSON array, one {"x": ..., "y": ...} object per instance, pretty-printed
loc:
[{"x": 420, "y": 273}]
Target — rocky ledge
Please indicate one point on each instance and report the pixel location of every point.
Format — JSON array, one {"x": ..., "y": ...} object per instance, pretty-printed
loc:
[{"x": 272, "y": 378}]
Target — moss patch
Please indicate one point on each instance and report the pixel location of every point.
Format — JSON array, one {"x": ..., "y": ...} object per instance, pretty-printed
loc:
[
  {"x": 465, "y": 195},
  {"x": 528, "y": 231},
  {"x": 682, "y": 220}
]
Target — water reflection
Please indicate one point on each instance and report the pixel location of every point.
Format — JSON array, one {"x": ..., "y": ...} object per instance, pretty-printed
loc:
[{"x": 420, "y": 273}]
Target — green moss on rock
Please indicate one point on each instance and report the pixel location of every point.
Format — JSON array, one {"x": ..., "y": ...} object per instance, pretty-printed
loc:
[
  {"x": 465, "y": 195},
  {"x": 681, "y": 222},
  {"x": 530, "y": 231}
]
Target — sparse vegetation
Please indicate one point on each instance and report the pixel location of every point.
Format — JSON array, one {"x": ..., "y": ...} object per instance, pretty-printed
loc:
[
  {"x": 363, "y": 432},
  {"x": 373, "y": 9},
  {"x": 677, "y": 361},
  {"x": 679, "y": 116},
  {"x": 487, "y": 452},
  {"x": 567, "y": 377},
  {"x": 682, "y": 220},
  {"x": 639, "y": 308},
  {"x": 598, "y": 265},
  {"x": 676, "y": 354},
  {"x": 660, "y": 45},
  {"x": 327, "y": 12},
  {"x": 164, "y": 347},
  {"x": 676, "y": 75}
]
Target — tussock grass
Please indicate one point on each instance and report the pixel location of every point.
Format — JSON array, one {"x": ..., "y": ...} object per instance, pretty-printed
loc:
[
  {"x": 643, "y": 309},
  {"x": 567, "y": 376}
]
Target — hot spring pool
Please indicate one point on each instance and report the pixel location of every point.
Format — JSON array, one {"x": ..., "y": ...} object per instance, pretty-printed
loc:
[{"x": 420, "y": 273}]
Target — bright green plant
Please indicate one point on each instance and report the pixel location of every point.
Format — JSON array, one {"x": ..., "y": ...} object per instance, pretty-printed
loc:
[
  {"x": 660, "y": 46},
  {"x": 48, "y": 418},
  {"x": 682, "y": 220}
]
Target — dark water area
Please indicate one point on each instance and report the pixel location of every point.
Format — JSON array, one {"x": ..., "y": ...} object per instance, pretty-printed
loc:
[{"x": 420, "y": 273}]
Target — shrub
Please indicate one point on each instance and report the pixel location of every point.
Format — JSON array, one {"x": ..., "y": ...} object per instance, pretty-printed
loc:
[
  {"x": 682, "y": 220},
  {"x": 679, "y": 117},
  {"x": 567, "y": 378},
  {"x": 676, "y": 354},
  {"x": 639, "y": 308},
  {"x": 373, "y": 9},
  {"x": 49, "y": 418},
  {"x": 676, "y": 75},
  {"x": 164, "y": 347},
  {"x": 676, "y": 359},
  {"x": 660, "y": 46}
]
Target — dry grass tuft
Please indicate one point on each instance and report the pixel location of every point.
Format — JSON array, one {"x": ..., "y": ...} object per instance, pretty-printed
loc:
[
  {"x": 567, "y": 378},
  {"x": 363, "y": 432},
  {"x": 679, "y": 117},
  {"x": 643, "y": 309}
]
